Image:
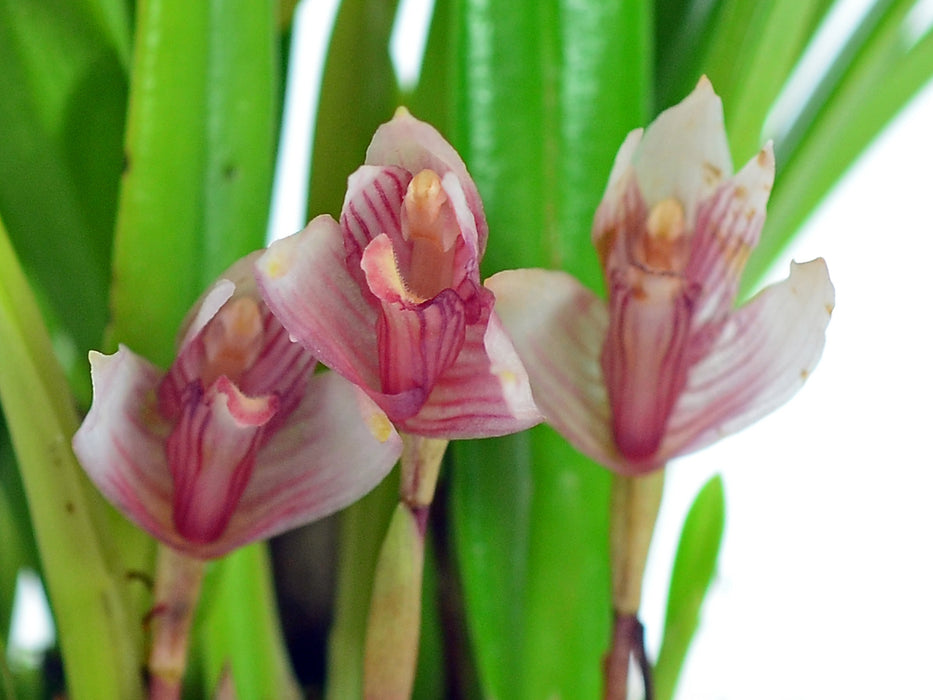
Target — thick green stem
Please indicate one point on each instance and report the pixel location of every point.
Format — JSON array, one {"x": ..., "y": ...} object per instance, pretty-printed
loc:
[
  {"x": 394, "y": 624},
  {"x": 634, "y": 509},
  {"x": 178, "y": 584}
]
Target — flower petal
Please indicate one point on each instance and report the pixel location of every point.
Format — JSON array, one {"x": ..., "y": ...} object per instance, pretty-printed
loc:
[
  {"x": 645, "y": 357},
  {"x": 372, "y": 207},
  {"x": 211, "y": 454},
  {"x": 304, "y": 280},
  {"x": 765, "y": 352},
  {"x": 558, "y": 328},
  {"x": 727, "y": 229},
  {"x": 121, "y": 443},
  {"x": 485, "y": 393},
  {"x": 334, "y": 449},
  {"x": 416, "y": 344},
  {"x": 684, "y": 153},
  {"x": 615, "y": 208},
  {"x": 414, "y": 145}
]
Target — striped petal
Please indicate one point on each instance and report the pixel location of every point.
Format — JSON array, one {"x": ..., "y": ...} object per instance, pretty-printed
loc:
[
  {"x": 558, "y": 328},
  {"x": 336, "y": 447},
  {"x": 645, "y": 358},
  {"x": 211, "y": 455},
  {"x": 417, "y": 344},
  {"x": 765, "y": 353},
  {"x": 728, "y": 227},
  {"x": 485, "y": 393},
  {"x": 414, "y": 145},
  {"x": 121, "y": 443},
  {"x": 304, "y": 280}
]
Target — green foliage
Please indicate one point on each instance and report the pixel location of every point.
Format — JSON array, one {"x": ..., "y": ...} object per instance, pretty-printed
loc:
[
  {"x": 86, "y": 592},
  {"x": 199, "y": 157},
  {"x": 694, "y": 568},
  {"x": 63, "y": 88}
]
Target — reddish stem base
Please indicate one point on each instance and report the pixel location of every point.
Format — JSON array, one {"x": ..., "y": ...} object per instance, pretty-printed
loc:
[{"x": 628, "y": 641}]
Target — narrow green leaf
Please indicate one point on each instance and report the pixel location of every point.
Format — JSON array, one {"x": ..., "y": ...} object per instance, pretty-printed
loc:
[
  {"x": 880, "y": 71},
  {"x": 750, "y": 74},
  {"x": 492, "y": 552},
  {"x": 358, "y": 93},
  {"x": 684, "y": 32},
  {"x": 238, "y": 626},
  {"x": 544, "y": 94},
  {"x": 97, "y": 634},
  {"x": 200, "y": 151},
  {"x": 694, "y": 568}
]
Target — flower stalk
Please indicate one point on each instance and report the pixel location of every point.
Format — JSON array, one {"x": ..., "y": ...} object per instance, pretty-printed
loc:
[
  {"x": 394, "y": 624},
  {"x": 178, "y": 585},
  {"x": 635, "y": 501}
]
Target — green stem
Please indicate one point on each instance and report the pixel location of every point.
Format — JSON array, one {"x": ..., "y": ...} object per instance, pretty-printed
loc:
[
  {"x": 394, "y": 624},
  {"x": 634, "y": 508}
]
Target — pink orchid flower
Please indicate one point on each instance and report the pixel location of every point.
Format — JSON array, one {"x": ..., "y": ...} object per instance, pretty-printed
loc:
[
  {"x": 391, "y": 296},
  {"x": 239, "y": 440},
  {"x": 668, "y": 365}
]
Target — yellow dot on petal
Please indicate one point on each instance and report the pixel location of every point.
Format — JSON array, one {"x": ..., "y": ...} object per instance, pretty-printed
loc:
[
  {"x": 380, "y": 426},
  {"x": 275, "y": 265}
]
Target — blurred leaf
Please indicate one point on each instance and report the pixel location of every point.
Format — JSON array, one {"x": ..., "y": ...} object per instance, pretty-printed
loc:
[
  {"x": 694, "y": 568},
  {"x": 358, "y": 93},
  {"x": 98, "y": 637},
  {"x": 750, "y": 60},
  {"x": 62, "y": 106},
  {"x": 238, "y": 625},
  {"x": 433, "y": 99},
  {"x": 200, "y": 151},
  {"x": 873, "y": 78},
  {"x": 493, "y": 551},
  {"x": 545, "y": 93}
]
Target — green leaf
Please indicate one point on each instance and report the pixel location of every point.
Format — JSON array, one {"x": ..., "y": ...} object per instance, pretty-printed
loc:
[
  {"x": 874, "y": 77},
  {"x": 492, "y": 550},
  {"x": 750, "y": 62},
  {"x": 694, "y": 568},
  {"x": 62, "y": 106},
  {"x": 544, "y": 94},
  {"x": 98, "y": 635},
  {"x": 238, "y": 625},
  {"x": 358, "y": 93},
  {"x": 200, "y": 152}
]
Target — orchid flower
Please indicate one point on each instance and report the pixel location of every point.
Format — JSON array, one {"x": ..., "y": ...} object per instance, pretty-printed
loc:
[
  {"x": 391, "y": 297},
  {"x": 668, "y": 366},
  {"x": 239, "y": 440}
]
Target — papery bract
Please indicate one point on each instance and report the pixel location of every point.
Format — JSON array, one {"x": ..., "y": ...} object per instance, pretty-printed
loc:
[
  {"x": 239, "y": 440},
  {"x": 667, "y": 365},
  {"x": 391, "y": 296}
]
